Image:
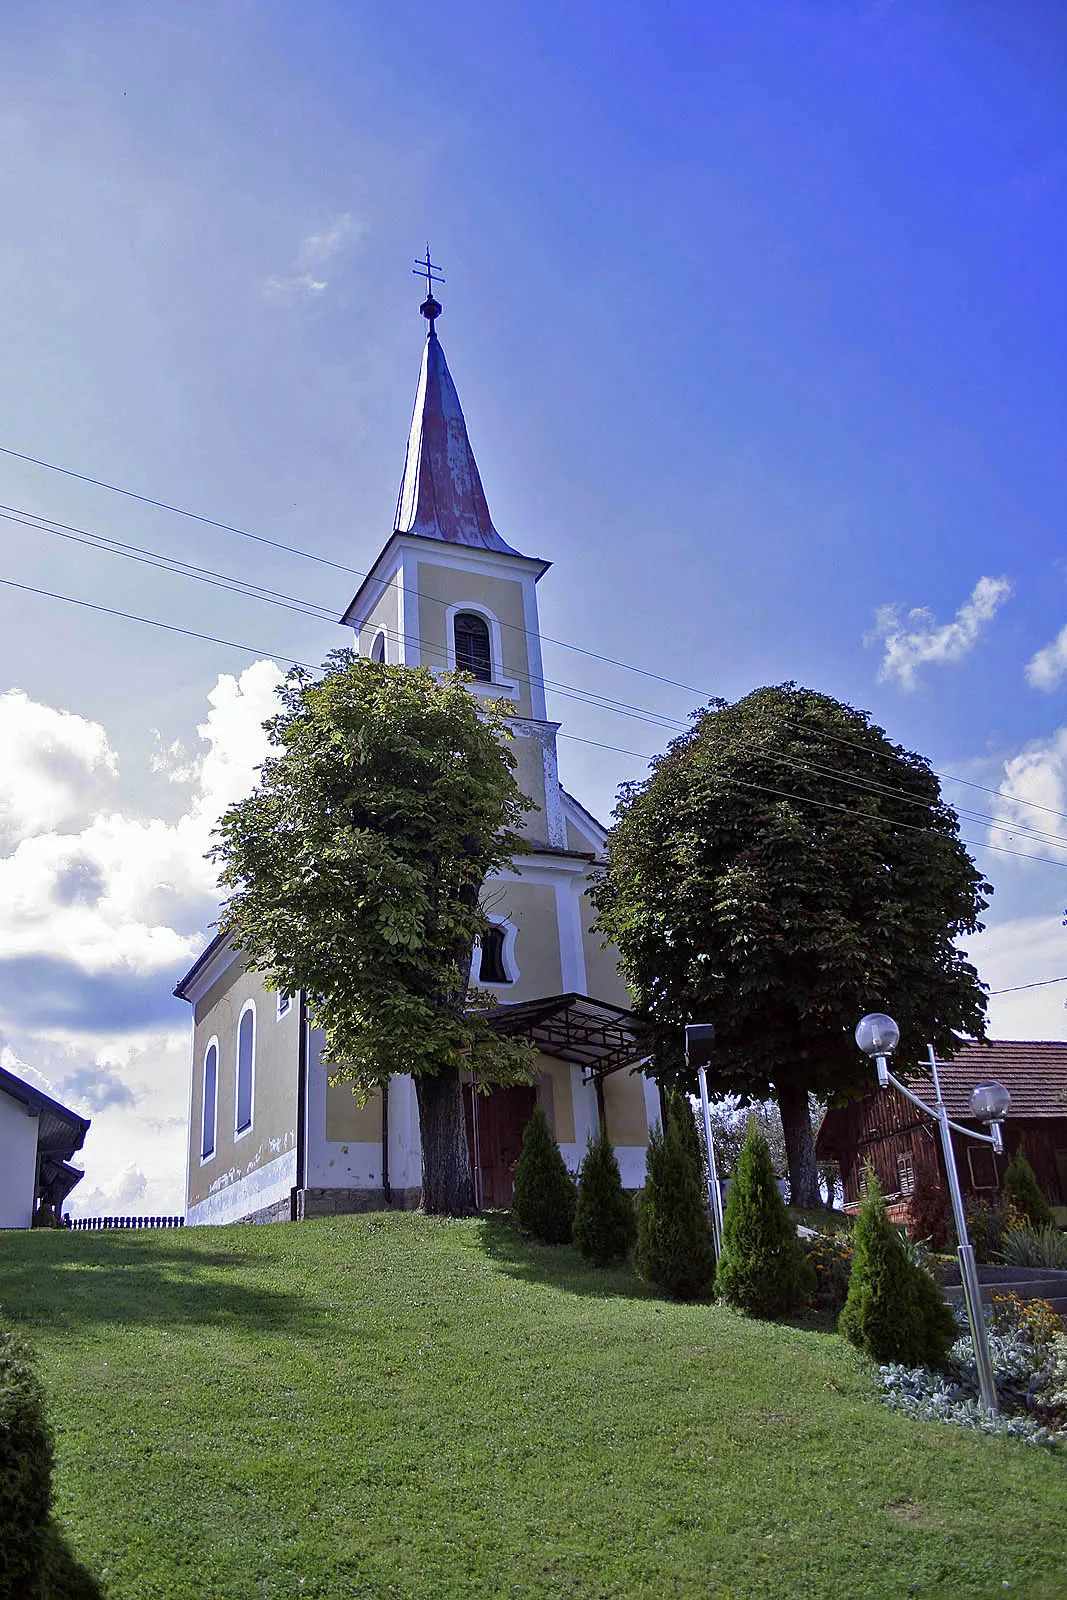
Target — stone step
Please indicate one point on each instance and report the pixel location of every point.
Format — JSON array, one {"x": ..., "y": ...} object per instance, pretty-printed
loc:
[
  {"x": 1029, "y": 1290},
  {"x": 1014, "y": 1275}
]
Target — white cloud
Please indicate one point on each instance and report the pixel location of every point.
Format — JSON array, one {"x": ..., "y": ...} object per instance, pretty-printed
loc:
[
  {"x": 920, "y": 640},
  {"x": 97, "y": 922},
  {"x": 1020, "y": 956},
  {"x": 1046, "y": 669},
  {"x": 1032, "y": 796},
  {"x": 53, "y": 761},
  {"x": 314, "y": 253}
]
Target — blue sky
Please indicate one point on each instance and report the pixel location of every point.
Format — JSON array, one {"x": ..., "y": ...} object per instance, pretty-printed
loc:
[{"x": 757, "y": 317}]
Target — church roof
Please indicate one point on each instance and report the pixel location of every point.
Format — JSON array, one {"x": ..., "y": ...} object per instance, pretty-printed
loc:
[{"x": 441, "y": 496}]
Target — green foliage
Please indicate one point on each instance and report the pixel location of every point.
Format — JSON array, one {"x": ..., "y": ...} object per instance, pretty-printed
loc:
[
  {"x": 45, "y": 1217},
  {"x": 730, "y": 1118},
  {"x": 605, "y": 1223},
  {"x": 988, "y": 1226},
  {"x": 543, "y": 1198},
  {"x": 680, "y": 1108},
  {"x": 763, "y": 1269},
  {"x": 25, "y": 1474},
  {"x": 674, "y": 1248},
  {"x": 894, "y": 1312},
  {"x": 1035, "y": 1247},
  {"x": 1021, "y": 1189},
  {"x": 733, "y": 891},
  {"x": 353, "y": 871}
]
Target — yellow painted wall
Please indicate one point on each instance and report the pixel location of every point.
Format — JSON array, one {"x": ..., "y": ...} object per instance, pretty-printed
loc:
[
  {"x": 601, "y": 966},
  {"x": 554, "y": 1094},
  {"x": 440, "y": 587},
  {"x": 532, "y": 908},
  {"x": 348, "y": 1122},
  {"x": 624, "y": 1108},
  {"x": 275, "y": 1083}
]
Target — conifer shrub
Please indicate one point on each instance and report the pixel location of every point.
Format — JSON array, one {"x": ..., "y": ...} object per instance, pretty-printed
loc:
[
  {"x": 763, "y": 1269},
  {"x": 894, "y": 1312},
  {"x": 605, "y": 1223},
  {"x": 674, "y": 1248},
  {"x": 680, "y": 1108},
  {"x": 542, "y": 1202},
  {"x": 1021, "y": 1189},
  {"x": 25, "y": 1475}
]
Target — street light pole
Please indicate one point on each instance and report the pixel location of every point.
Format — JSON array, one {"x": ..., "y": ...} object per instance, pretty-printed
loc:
[
  {"x": 699, "y": 1039},
  {"x": 877, "y": 1035}
]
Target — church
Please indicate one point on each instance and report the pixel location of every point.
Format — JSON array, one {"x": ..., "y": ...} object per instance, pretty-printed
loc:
[{"x": 270, "y": 1138}]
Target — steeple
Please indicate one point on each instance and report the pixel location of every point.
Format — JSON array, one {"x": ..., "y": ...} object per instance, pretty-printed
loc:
[{"x": 441, "y": 496}]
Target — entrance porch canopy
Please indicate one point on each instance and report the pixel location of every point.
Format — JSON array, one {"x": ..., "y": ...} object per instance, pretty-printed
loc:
[{"x": 592, "y": 1034}]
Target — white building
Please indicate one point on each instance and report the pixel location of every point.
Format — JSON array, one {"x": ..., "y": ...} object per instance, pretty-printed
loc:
[{"x": 38, "y": 1137}]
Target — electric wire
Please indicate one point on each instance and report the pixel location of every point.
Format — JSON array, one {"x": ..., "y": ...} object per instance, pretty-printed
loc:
[
  {"x": 173, "y": 564},
  {"x": 1017, "y": 988},
  {"x": 626, "y": 666},
  {"x": 189, "y": 633}
]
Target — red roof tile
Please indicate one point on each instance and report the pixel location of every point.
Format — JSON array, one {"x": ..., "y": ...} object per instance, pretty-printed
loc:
[{"x": 1034, "y": 1073}]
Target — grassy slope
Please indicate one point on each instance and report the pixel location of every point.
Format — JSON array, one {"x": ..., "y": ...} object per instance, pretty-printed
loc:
[{"x": 392, "y": 1406}]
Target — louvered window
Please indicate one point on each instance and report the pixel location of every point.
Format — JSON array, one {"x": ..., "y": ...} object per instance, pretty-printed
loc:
[
  {"x": 492, "y": 969},
  {"x": 473, "y": 651}
]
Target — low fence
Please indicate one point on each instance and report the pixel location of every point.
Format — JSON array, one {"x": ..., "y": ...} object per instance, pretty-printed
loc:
[{"x": 83, "y": 1223}]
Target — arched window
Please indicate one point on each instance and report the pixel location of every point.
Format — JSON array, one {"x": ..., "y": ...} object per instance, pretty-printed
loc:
[
  {"x": 473, "y": 651},
  {"x": 377, "y": 649},
  {"x": 211, "y": 1100},
  {"x": 246, "y": 1068},
  {"x": 491, "y": 968}
]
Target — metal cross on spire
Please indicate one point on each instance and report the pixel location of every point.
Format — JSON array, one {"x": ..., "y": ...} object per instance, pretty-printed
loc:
[{"x": 430, "y": 308}]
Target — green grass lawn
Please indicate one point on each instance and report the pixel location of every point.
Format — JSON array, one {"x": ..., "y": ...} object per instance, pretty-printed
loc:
[{"x": 388, "y": 1406}]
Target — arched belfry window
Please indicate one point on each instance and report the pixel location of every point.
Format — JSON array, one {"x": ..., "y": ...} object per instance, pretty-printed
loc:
[
  {"x": 473, "y": 650},
  {"x": 211, "y": 1093},
  {"x": 377, "y": 649}
]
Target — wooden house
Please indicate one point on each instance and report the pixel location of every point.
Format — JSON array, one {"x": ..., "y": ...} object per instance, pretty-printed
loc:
[{"x": 904, "y": 1148}]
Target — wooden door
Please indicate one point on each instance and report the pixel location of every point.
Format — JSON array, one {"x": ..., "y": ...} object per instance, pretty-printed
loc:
[{"x": 502, "y": 1116}]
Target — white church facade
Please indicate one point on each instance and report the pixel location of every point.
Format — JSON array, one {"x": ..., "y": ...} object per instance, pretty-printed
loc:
[{"x": 269, "y": 1137}]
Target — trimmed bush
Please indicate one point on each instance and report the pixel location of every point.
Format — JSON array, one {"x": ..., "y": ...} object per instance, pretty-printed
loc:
[
  {"x": 894, "y": 1312},
  {"x": 25, "y": 1475},
  {"x": 1021, "y": 1189},
  {"x": 542, "y": 1202},
  {"x": 605, "y": 1223},
  {"x": 680, "y": 1108},
  {"x": 763, "y": 1269},
  {"x": 674, "y": 1248}
]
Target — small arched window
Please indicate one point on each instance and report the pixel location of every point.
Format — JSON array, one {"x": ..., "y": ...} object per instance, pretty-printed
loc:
[
  {"x": 491, "y": 968},
  {"x": 246, "y": 1069},
  {"x": 473, "y": 651},
  {"x": 211, "y": 1099},
  {"x": 377, "y": 649}
]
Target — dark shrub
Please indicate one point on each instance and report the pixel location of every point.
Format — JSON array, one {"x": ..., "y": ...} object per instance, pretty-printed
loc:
[
  {"x": 763, "y": 1269},
  {"x": 25, "y": 1474},
  {"x": 674, "y": 1248},
  {"x": 1021, "y": 1190},
  {"x": 605, "y": 1223},
  {"x": 930, "y": 1212},
  {"x": 831, "y": 1258},
  {"x": 542, "y": 1202},
  {"x": 894, "y": 1311},
  {"x": 987, "y": 1226}
]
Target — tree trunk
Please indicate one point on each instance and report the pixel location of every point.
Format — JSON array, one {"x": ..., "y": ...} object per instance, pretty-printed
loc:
[
  {"x": 447, "y": 1184},
  {"x": 799, "y": 1146}
]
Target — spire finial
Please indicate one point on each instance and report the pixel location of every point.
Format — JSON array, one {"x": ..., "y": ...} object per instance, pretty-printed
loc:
[{"x": 430, "y": 308}]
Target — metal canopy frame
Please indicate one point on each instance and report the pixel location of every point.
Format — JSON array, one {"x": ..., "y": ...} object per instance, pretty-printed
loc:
[{"x": 592, "y": 1034}]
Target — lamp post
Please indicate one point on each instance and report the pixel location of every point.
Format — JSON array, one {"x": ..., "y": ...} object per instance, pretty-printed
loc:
[
  {"x": 699, "y": 1042},
  {"x": 877, "y": 1036}
]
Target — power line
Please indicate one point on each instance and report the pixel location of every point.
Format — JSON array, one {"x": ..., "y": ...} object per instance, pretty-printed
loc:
[
  {"x": 1019, "y": 988},
  {"x": 171, "y": 564},
  {"x": 338, "y": 566},
  {"x": 826, "y": 805}
]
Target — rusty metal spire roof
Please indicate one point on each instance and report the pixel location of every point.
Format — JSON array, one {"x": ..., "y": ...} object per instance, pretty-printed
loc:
[{"x": 441, "y": 496}]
